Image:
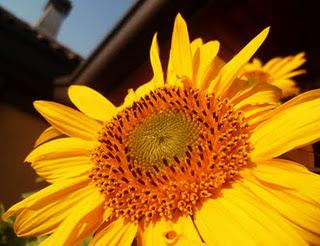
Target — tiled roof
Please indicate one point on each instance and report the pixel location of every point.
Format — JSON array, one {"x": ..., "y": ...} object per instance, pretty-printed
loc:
[{"x": 15, "y": 25}]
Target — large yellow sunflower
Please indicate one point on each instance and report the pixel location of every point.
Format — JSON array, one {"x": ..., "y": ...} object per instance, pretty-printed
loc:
[
  {"x": 279, "y": 72},
  {"x": 190, "y": 159}
]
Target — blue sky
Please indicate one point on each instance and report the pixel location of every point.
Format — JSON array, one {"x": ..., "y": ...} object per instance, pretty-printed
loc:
[{"x": 87, "y": 24}]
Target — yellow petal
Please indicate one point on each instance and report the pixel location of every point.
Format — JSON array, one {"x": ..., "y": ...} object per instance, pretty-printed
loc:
[
  {"x": 280, "y": 176},
  {"x": 259, "y": 221},
  {"x": 257, "y": 94},
  {"x": 47, "y": 135},
  {"x": 195, "y": 45},
  {"x": 68, "y": 121},
  {"x": 136, "y": 95},
  {"x": 304, "y": 97},
  {"x": 273, "y": 62},
  {"x": 92, "y": 103},
  {"x": 290, "y": 172},
  {"x": 230, "y": 71},
  {"x": 308, "y": 236},
  {"x": 36, "y": 222},
  {"x": 84, "y": 220},
  {"x": 255, "y": 100},
  {"x": 116, "y": 233},
  {"x": 238, "y": 87},
  {"x": 278, "y": 72},
  {"x": 292, "y": 125},
  {"x": 62, "y": 159},
  {"x": 46, "y": 196},
  {"x": 206, "y": 55},
  {"x": 257, "y": 62},
  {"x": 212, "y": 72},
  {"x": 59, "y": 169},
  {"x": 256, "y": 114},
  {"x": 288, "y": 87},
  {"x": 278, "y": 65},
  {"x": 215, "y": 225},
  {"x": 62, "y": 147},
  {"x": 180, "y": 60},
  {"x": 162, "y": 233},
  {"x": 129, "y": 99},
  {"x": 144, "y": 89},
  {"x": 296, "y": 210},
  {"x": 286, "y": 65},
  {"x": 292, "y": 74},
  {"x": 156, "y": 63}
]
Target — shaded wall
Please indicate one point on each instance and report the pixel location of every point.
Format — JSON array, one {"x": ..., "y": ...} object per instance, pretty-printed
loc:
[{"x": 18, "y": 131}]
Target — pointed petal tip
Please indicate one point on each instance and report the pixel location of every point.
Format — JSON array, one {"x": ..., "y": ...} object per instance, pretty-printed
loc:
[
  {"x": 302, "y": 54},
  {"x": 179, "y": 19},
  {"x": 39, "y": 104},
  {"x": 154, "y": 42},
  {"x": 5, "y": 216},
  {"x": 155, "y": 36},
  {"x": 179, "y": 15},
  {"x": 264, "y": 33},
  {"x": 10, "y": 212},
  {"x": 27, "y": 160},
  {"x": 180, "y": 59}
]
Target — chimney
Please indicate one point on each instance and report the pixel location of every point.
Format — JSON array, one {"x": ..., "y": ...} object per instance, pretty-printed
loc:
[{"x": 54, "y": 13}]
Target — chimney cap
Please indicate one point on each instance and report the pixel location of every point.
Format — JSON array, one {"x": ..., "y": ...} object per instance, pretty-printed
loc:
[{"x": 63, "y": 6}]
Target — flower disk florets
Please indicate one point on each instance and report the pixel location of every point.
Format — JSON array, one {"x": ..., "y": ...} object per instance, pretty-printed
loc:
[{"x": 169, "y": 152}]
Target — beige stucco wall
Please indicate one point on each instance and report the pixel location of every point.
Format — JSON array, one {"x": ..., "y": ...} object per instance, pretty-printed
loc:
[{"x": 18, "y": 131}]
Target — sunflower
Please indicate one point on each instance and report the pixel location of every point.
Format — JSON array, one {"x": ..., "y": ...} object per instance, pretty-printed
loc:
[
  {"x": 279, "y": 72},
  {"x": 190, "y": 159}
]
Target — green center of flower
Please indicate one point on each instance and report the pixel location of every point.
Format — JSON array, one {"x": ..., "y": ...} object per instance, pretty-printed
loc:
[{"x": 163, "y": 135}]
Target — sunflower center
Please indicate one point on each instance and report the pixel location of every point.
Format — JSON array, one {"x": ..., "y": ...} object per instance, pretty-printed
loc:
[
  {"x": 166, "y": 154},
  {"x": 165, "y": 134}
]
